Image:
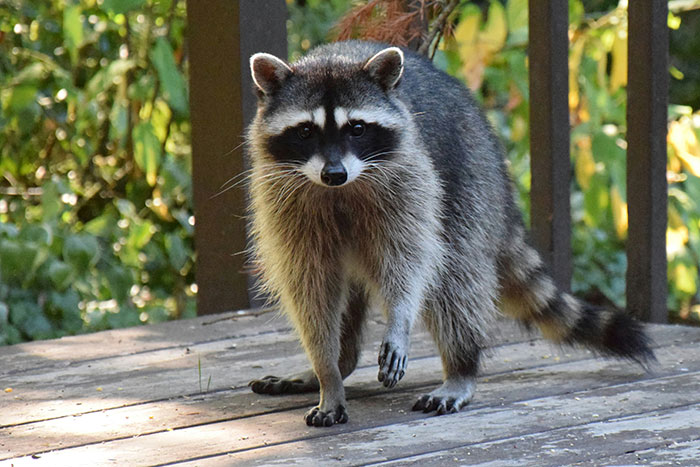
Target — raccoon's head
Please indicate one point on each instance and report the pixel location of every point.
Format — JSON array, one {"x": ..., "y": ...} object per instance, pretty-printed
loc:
[{"x": 330, "y": 116}]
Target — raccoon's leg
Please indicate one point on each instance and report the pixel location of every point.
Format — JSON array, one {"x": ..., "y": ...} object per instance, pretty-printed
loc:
[
  {"x": 321, "y": 338},
  {"x": 401, "y": 312},
  {"x": 456, "y": 316},
  {"x": 350, "y": 346},
  {"x": 407, "y": 273},
  {"x": 530, "y": 295},
  {"x": 351, "y": 332}
]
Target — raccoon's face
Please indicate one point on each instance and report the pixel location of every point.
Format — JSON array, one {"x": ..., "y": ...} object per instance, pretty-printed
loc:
[{"x": 330, "y": 119}]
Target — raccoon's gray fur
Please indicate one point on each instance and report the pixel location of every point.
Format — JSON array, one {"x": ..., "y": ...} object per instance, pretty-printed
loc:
[{"x": 378, "y": 184}]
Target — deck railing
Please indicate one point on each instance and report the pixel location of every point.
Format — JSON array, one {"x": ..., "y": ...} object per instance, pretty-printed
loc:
[{"x": 223, "y": 34}]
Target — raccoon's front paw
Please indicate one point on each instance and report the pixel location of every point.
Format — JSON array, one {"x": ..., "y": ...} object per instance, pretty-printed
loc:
[
  {"x": 392, "y": 363},
  {"x": 317, "y": 417}
]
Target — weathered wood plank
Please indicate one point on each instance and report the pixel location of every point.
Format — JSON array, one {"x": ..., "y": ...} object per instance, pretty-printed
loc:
[
  {"x": 414, "y": 435},
  {"x": 60, "y": 353},
  {"x": 670, "y": 452},
  {"x": 638, "y": 438}
]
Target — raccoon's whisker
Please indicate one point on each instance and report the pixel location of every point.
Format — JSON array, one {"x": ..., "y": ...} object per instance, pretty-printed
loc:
[
  {"x": 294, "y": 181},
  {"x": 247, "y": 173},
  {"x": 242, "y": 177},
  {"x": 378, "y": 178},
  {"x": 245, "y": 141},
  {"x": 301, "y": 184}
]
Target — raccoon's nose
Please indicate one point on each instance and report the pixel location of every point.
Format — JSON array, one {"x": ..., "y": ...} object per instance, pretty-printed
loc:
[{"x": 334, "y": 174}]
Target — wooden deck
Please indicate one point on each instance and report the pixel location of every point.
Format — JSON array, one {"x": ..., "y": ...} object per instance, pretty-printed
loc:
[{"x": 176, "y": 393}]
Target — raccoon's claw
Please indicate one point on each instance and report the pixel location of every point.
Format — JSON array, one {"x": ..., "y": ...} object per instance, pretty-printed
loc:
[
  {"x": 441, "y": 405},
  {"x": 454, "y": 394},
  {"x": 317, "y": 417},
  {"x": 274, "y": 385},
  {"x": 392, "y": 364}
]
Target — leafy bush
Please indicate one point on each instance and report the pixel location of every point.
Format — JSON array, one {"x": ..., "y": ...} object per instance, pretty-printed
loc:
[{"x": 95, "y": 212}]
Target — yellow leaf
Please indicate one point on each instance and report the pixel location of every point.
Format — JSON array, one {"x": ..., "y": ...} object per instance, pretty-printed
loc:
[
  {"x": 674, "y": 22},
  {"x": 519, "y": 130},
  {"x": 618, "y": 73},
  {"x": 676, "y": 234},
  {"x": 470, "y": 51},
  {"x": 684, "y": 278},
  {"x": 574, "y": 63},
  {"x": 619, "y": 211},
  {"x": 468, "y": 27},
  {"x": 585, "y": 163},
  {"x": 684, "y": 142},
  {"x": 496, "y": 28}
]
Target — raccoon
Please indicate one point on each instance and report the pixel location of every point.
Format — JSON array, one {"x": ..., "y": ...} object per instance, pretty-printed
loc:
[{"x": 377, "y": 184}]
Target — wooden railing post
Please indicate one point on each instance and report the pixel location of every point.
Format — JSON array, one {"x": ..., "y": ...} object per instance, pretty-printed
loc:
[
  {"x": 647, "y": 108},
  {"x": 222, "y": 35},
  {"x": 550, "y": 209}
]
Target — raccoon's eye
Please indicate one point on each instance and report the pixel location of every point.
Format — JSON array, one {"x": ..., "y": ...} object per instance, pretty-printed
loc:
[
  {"x": 304, "y": 131},
  {"x": 357, "y": 129}
]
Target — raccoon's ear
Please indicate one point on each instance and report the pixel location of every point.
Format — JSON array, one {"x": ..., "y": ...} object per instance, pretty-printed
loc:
[
  {"x": 386, "y": 67},
  {"x": 268, "y": 72}
]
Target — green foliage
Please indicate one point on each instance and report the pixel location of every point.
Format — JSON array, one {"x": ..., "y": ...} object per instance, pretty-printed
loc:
[{"x": 95, "y": 213}]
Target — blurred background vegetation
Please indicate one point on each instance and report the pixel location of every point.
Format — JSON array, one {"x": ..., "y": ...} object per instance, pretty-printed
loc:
[{"x": 96, "y": 220}]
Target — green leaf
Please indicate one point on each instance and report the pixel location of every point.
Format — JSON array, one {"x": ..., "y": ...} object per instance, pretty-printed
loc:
[
  {"x": 32, "y": 74},
  {"x": 516, "y": 12},
  {"x": 102, "y": 225},
  {"x": 576, "y": 12},
  {"x": 147, "y": 151},
  {"x": 10, "y": 335},
  {"x": 73, "y": 30},
  {"x": 51, "y": 201},
  {"x": 16, "y": 258},
  {"x": 172, "y": 81},
  {"x": 121, "y": 6},
  {"x": 37, "y": 233},
  {"x": 177, "y": 252},
  {"x": 20, "y": 97},
  {"x": 67, "y": 304},
  {"x": 4, "y": 313},
  {"x": 139, "y": 235},
  {"x": 30, "y": 319},
  {"x": 120, "y": 282},
  {"x": 81, "y": 251},
  {"x": 59, "y": 274}
]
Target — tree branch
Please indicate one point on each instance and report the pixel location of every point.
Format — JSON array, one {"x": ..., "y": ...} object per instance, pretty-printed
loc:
[{"x": 437, "y": 26}]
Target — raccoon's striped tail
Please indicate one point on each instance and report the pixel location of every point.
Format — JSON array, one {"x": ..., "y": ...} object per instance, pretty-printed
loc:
[{"x": 530, "y": 296}]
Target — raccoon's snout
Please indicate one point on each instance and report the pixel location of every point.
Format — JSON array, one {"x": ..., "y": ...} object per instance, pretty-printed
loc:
[{"x": 334, "y": 174}]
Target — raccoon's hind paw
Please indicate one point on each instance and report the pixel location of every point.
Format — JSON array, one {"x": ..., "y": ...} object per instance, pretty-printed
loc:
[
  {"x": 296, "y": 384},
  {"x": 317, "y": 417},
  {"x": 448, "y": 398},
  {"x": 392, "y": 364}
]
